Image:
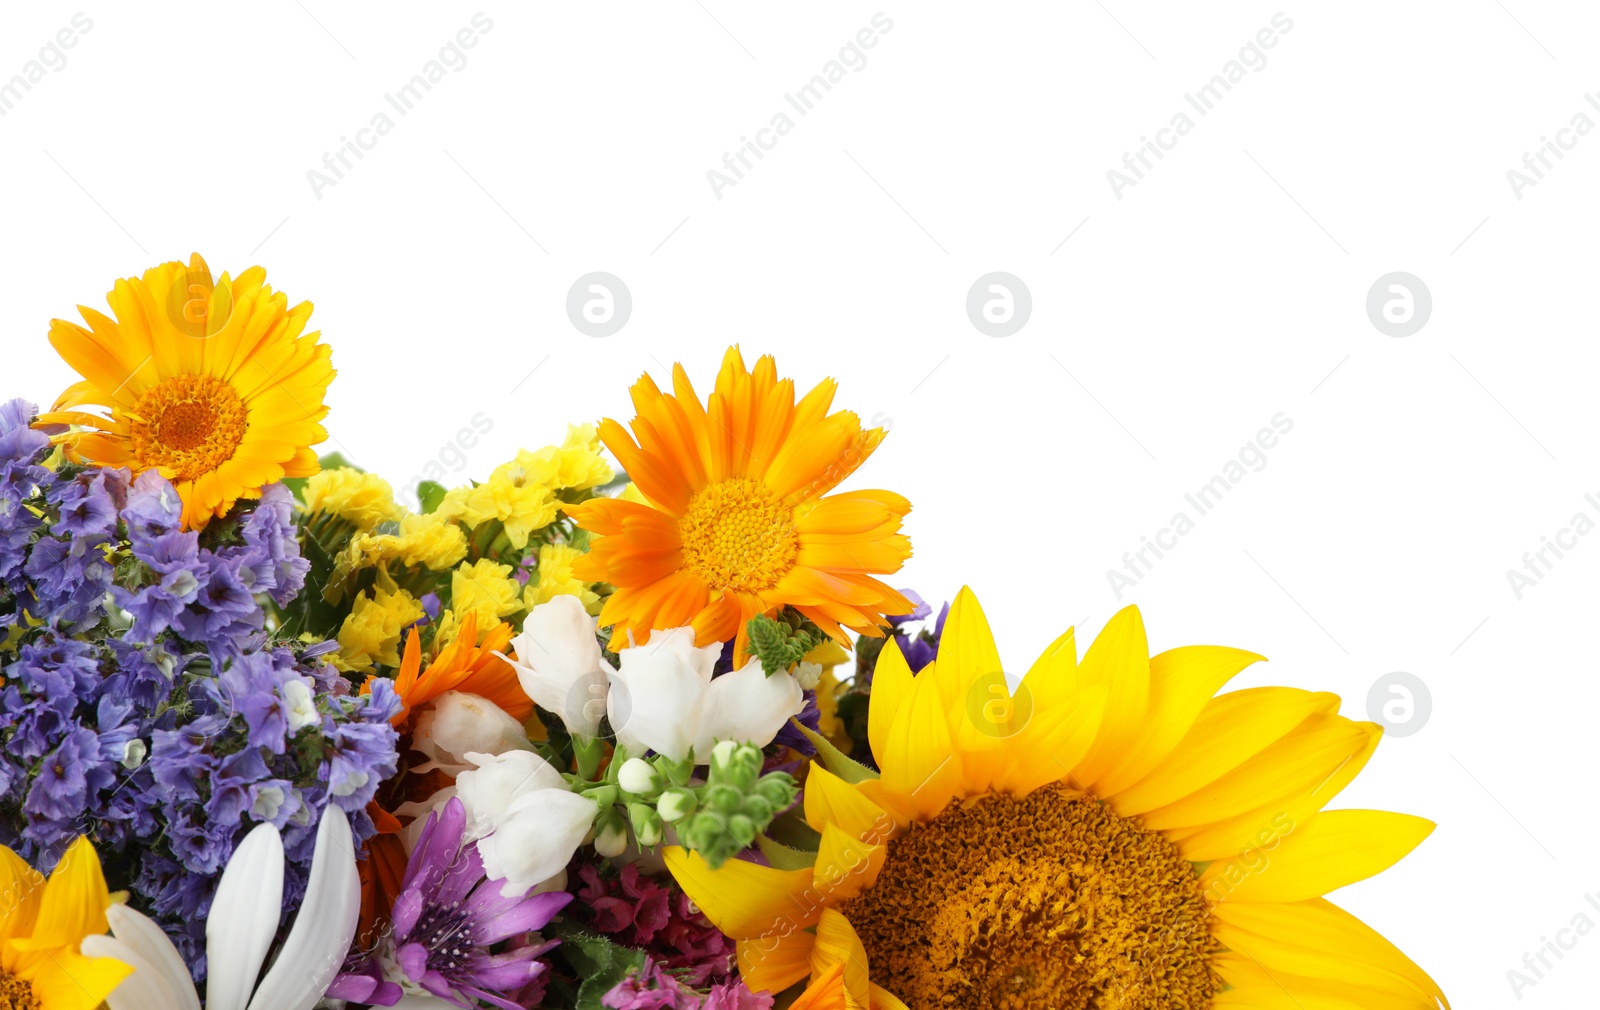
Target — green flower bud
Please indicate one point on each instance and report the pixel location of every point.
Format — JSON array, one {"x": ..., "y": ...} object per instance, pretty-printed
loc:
[
  {"x": 743, "y": 829},
  {"x": 646, "y": 823},
  {"x": 758, "y": 809},
  {"x": 724, "y": 799}
]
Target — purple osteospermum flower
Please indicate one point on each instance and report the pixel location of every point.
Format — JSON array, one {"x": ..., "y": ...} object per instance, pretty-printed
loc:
[{"x": 446, "y": 919}]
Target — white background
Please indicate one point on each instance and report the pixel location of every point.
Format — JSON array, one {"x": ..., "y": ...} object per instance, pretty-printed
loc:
[{"x": 1227, "y": 286}]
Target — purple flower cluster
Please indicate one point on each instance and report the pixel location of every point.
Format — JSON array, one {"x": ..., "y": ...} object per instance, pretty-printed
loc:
[
  {"x": 654, "y": 914},
  {"x": 141, "y": 701},
  {"x": 654, "y": 987},
  {"x": 207, "y": 595}
]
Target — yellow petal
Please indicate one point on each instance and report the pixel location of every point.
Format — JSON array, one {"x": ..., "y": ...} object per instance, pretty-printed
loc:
[
  {"x": 1231, "y": 837},
  {"x": 1181, "y": 682},
  {"x": 1053, "y": 676},
  {"x": 837, "y": 943},
  {"x": 1246, "y": 974},
  {"x": 826, "y": 992},
  {"x": 1296, "y": 766},
  {"x": 1338, "y": 847},
  {"x": 1231, "y": 728},
  {"x": 846, "y": 865},
  {"x": 1317, "y": 939},
  {"x": 966, "y": 650},
  {"x": 891, "y": 686},
  {"x": 774, "y": 963},
  {"x": 1119, "y": 659},
  {"x": 1052, "y": 743},
  {"x": 20, "y": 888},
  {"x": 75, "y": 901},
  {"x": 919, "y": 768},
  {"x": 743, "y": 899},
  {"x": 883, "y": 999},
  {"x": 829, "y": 799},
  {"x": 66, "y": 980}
]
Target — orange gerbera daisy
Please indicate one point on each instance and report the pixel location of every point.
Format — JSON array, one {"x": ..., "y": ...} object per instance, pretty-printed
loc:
[
  {"x": 735, "y": 520},
  {"x": 463, "y": 665},
  {"x": 215, "y": 384}
]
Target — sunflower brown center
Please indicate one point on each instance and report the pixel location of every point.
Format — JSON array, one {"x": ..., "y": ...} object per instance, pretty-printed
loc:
[
  {"x": 190, "y": 424},
  {"x": 736, "y": 534},
  {"x": 1051, "y": 901},
  {"x": 16, "y": 994}
]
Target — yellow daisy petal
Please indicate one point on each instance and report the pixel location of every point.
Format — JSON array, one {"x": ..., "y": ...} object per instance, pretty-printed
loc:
[
  {"x": 1338, "y": 847},
  {"x": 1119, "y": 659}
]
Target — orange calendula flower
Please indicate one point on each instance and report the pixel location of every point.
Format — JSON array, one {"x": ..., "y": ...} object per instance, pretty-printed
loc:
[
  {"x": 1111, "y": 832},
  {"x": 737, "y": 519},
  {"x": 214, "y": 384},
  {"x": 464, "y": 665}
]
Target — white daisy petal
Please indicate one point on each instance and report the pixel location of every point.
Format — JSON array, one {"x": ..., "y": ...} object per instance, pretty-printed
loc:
[
  {"x": 141, "y": 935},
  {"x": 323, "y": 928},
  {"x": 244, "y": 918},
  {"x": 145, "y": 989}
]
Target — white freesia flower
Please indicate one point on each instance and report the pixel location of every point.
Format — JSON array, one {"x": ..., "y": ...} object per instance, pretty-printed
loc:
[
  {"x": 456, "y": 723},
  {"x": 559, "y": 664},
  {"x": 244, "y": 919},
  {"x": 526, "y": 822},
  {"x": 664, "y": 699}
]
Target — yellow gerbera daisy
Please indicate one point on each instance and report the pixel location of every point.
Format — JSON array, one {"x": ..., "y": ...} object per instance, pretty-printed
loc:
[
  {"x": 41, "y": 931},
  {"x": 1112, "y": 834},
  {"x": 213, "y": 384},
  {"x": 736, "y": 522}
]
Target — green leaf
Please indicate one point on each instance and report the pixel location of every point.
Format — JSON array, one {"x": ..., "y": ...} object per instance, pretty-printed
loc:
[
  {"x": 834, "y": 759},
  {"x": 783, "y": 641},
  {"x": 599, "y": 962},
  {"x": 336, "y": 460},
  {"x": 784, "y": 858},
  {"x": 430, "y": 494}
]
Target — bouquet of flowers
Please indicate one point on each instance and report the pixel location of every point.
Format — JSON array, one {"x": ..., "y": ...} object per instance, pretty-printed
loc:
[{"x": 630, "y": 723}]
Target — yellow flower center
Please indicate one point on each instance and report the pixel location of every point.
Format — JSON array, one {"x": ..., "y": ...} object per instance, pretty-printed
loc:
[
  {"x": 736, "y": 534},
  {"x": 1047, "y": 901},
  {"x": 190, "y": 424},
  {"x": 16, "y": 994}
]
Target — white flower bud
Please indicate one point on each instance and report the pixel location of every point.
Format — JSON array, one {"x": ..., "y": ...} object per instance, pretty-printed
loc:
[{"x": 637, "y": 777}]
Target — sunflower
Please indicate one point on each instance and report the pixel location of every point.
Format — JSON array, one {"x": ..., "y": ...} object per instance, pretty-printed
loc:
[
  {"x": 213, "y": 384},
  {"x": 42, "y": 928},
  {"x": 737, "y": 520},
  {"x": 1113, "y": 834}
]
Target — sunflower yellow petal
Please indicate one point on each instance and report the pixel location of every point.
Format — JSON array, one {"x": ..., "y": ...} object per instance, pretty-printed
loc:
[
  {"x": 1231, "y": 729},
  {"x": 1336, "y": 848},
  {"x": 74, "y": 902},
  {"x": 22, "y": 886},
  {"x": 774, "y": 963},
  {"x": 829, "y": 799},
  {"x": 966, "y": 650},
  {"x": 1054, "y": 740},
  {"x": 846, "y": 865},
  {"x": 66, "y": 980},
  {"x": 1181, "y": 682},
  {"x": 743, "y": 899},
  {"x": 838, "y": 943},
  {"x": 1236, "y": 835},
  {"x": 1247, "y": 974},
  {"x": 1287, "y": 953},
  {"x": 920, "y": 770},
  {"x": 891, "y": 686},
  {"x": 1298, "y": 765},
  {"x": 1317, "y": 938},
  {"x": 1118, "y": 659}
]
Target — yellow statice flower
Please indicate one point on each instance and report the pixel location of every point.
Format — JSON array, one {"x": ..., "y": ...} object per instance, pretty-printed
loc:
[
  {"x": 509, "y": 496},
  {"x": 484, "y": 588},
  {"x": 431, "y": 542},
  {"x": 574, "y": 465},
  {"x": 371, "y": 634},
  {"x": 555, "y": 578},
  {"x": 364, "y": 499}
]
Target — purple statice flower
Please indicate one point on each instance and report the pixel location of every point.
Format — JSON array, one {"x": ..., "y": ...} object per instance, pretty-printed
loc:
[
  {"x": 270, "y": 558},
  {"x": 654, "y": 987},
  {"x": 448, "y": 916}
]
